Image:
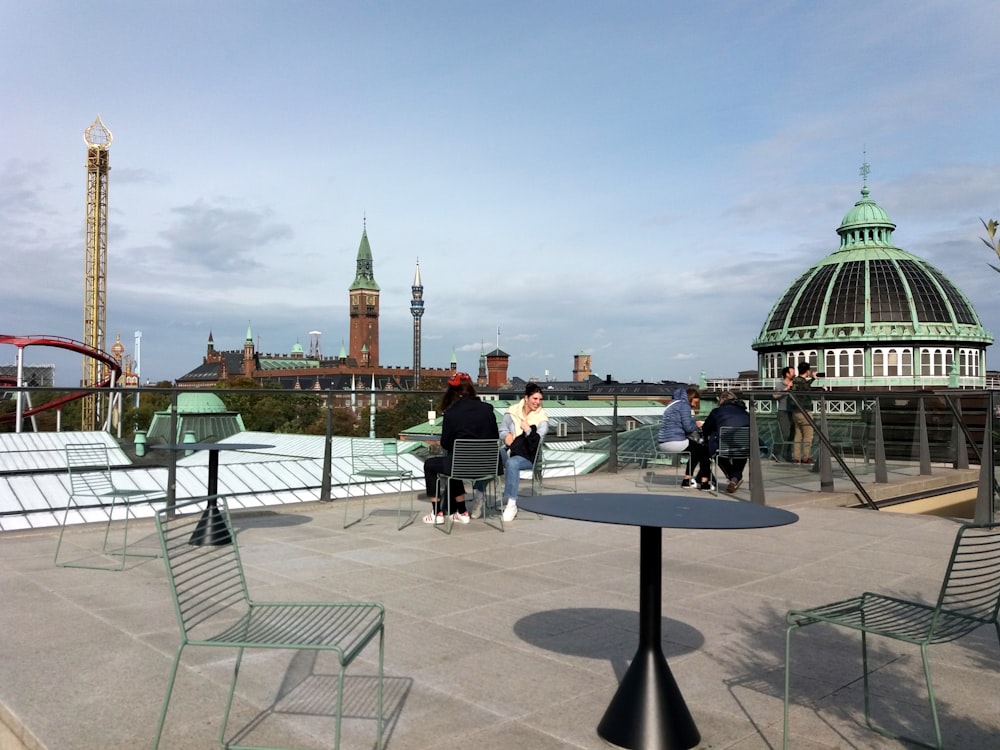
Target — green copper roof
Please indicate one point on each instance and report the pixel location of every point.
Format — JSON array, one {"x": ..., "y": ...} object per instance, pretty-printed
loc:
[
  {"x": 365, "y": 276},
  {"x": 867, "y": 290}
]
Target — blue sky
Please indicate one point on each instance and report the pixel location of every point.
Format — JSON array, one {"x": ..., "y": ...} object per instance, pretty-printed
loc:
[{"x": 635, "y": 180}]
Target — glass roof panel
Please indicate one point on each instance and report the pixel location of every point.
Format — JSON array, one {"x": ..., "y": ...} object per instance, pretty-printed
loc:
[
  {"x": 963, "y": 311},
  {"x": 777, "y": 321},
  {"x": 927, "y": 300},
  {"x": 888, "y": 297},
  {"x": 847, "y": 299},
  {"x": 810, "y": 305}
]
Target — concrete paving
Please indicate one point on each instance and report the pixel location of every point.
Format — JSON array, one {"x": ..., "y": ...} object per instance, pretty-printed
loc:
[{"x": 493, "y": 640}]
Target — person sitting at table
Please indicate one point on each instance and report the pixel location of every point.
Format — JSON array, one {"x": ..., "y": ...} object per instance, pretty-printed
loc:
[
  {"x": 731, "y": 412},
  {"x": 679, "y": 433},
  {"x": 523, "y": 427},
  {"x": 465, "y": 416}
]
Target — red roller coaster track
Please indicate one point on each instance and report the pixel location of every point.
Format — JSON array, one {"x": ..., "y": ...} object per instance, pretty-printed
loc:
[{"x": 60, "y": 342}]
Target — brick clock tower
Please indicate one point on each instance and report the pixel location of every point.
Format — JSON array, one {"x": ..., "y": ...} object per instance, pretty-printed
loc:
[{"x": 364, "y": 308}]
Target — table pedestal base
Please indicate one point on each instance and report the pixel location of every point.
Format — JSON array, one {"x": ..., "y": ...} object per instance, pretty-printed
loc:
[
  {"x": 648, "y": 712},
  {"x": 211, "y": 529}
]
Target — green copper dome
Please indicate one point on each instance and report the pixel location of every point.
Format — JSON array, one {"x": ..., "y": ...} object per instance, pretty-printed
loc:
[
  {"x": 870, "y": 301},
  {"x": 866, "y": 211}
]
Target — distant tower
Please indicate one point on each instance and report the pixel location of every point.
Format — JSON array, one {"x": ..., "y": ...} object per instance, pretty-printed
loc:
[
  {"x": 248, "y": 351},
  {"x": 581, "y": 367},
  {"x": 482, "y": 378},
  {"x": 496, "y": 366},
  {"x": 95, "y": 312},
  {"x": 417, "y": 311},
  {"x": 364, "y": 295},
  {"x": 314, "y": 348}
]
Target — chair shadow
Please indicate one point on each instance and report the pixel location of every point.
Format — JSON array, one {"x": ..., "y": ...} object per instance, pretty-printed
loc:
[
  {"x": 599, "y": 633},
  {"x": 309, "y": 689}
]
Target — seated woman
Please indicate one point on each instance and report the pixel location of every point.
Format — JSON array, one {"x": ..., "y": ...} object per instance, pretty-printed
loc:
[
  {"x": 465, "y": 416},
  {"x": 676, "y": 427},
  {"x": 523, "y": 427}
]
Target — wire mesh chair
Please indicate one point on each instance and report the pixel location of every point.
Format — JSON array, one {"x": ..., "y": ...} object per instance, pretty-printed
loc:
[
  {"x": 734, "y": 445},
  {"x": 969, "y": 598},
  {"x": 91, "y": 486},
  {"x": 214, "y": 609},
  {"x": 547, "y": 459},
  {"x": 651, "y": 457},
  {"x": 473, "y": 460},
  {"x": 378, "y": 461}
]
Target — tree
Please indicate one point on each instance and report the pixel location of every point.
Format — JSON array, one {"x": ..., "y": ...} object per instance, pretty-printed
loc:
[{"x": 993, "y": 243}]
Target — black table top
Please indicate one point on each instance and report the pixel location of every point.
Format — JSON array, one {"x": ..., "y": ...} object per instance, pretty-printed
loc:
[
  {"x": 688, "y": 511},
  {"x": 209, "y": 446}
]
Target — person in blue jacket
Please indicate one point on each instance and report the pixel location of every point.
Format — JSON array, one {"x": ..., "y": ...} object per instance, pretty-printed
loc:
[
  {"x": 679, "y": 432},
  {"x": 731, "y": 412}
]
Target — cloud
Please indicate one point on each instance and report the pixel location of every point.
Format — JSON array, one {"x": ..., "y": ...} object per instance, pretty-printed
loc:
[{"x": 221, "y": 239}]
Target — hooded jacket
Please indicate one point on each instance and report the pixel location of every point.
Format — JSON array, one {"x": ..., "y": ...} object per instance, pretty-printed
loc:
[{"x": 677, "y": 421}]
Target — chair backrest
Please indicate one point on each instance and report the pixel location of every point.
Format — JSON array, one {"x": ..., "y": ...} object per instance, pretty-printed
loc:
[
  {"x": 89, "y": 469},
  {"x": 374, "y": 456},
  {"x": 734, "y": 442},
  {"x": 475, "y": 458},
  {"x": 971, "y": 588},
  {"x": 206, "y": 581}
]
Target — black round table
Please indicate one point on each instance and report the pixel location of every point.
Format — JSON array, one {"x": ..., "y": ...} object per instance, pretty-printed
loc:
[
  {"x": 648, "y": 711},
  {"x": 211, "y": 530}
]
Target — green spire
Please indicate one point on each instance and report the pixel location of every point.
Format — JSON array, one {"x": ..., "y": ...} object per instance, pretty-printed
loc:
[{"x": 365, "y": 276}]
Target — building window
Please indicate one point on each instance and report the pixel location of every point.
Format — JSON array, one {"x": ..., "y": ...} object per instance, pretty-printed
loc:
[{"x": 892, "y": 363}]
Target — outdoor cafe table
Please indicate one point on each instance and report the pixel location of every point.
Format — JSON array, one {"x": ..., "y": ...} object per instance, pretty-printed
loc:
[
  {"x": 210, "y": 529},
  {"x": 648, "y": 711}
]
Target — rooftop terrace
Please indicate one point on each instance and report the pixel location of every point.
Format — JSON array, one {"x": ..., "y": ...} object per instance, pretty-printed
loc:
[{"x": 493, "y": 640}]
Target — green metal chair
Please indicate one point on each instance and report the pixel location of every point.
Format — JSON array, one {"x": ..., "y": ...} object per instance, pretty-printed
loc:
[
  {"x": 548, "y": 459},
  {"x": 92, "y": 488},
  {"x": 377, "y": 460},
  {"x": 969, "y": 598},
  {"x": 651, "y": 456},
  {"x": 214, "y": 609}
]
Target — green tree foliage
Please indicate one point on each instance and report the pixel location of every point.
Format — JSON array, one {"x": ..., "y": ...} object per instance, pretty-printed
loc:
[
  {"x": 993, "y": 243},
  {"x": 278, "y": 410}
]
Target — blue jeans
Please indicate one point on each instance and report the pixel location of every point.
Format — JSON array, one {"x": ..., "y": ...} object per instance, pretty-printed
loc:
[{"x": 512, "y": 468}]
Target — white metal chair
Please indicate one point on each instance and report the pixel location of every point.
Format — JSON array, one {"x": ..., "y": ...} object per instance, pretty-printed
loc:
[
  {"x": 377, "y": 460},
  {"x": 473, "y": 460},
  {"x": 92, "y": 487},
  {"x": 214, "y": 609}
]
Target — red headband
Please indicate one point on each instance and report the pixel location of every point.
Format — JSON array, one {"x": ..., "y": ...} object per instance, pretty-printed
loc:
[{"x": 458, "y": 378}]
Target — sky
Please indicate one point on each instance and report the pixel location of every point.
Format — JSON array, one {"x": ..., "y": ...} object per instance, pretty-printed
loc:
[{"x": 635, "y": 180}]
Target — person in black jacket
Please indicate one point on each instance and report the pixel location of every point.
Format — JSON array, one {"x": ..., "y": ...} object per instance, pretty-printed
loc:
[
  {"x": 465, "y": 416},
  {"x": 731, "y": 412}
]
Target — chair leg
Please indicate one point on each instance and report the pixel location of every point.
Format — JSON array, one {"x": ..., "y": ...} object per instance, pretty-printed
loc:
[
  {"x": 166, "y": 699},
  {"x": 381, "y": 653},
  {"x": 347, "y": 504},
  {"x": 788, "y": 669},
  {"x": 399, "y": 507},
  {"x": 229, "y": 700}
]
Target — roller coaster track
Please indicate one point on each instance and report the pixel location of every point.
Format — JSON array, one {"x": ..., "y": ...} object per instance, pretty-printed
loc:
[{"x": 60, "y": 342}]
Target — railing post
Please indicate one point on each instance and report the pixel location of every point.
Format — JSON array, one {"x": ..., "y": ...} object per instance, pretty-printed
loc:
[
  {"x": 825, "y": 469},
  {"x": 324, "y": 488},
  {"x": 613, "y": 444},
  {"x": 881, "y": 474},
  {"x": 172, "y": 460},
  {"x": 756, "y": 470},
  {"x": 925, "y": 448},
  {"x": 984, "y": 492},
  {"x": 961, "y": 460}
]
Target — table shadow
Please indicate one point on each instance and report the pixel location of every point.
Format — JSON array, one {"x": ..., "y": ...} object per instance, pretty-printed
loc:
[{"x": 599, "y": 633}]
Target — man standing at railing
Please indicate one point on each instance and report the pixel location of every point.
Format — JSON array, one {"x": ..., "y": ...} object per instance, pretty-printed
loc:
[
  {"x": 786, "y": 424},
  {"x": 801, "y": 385}
]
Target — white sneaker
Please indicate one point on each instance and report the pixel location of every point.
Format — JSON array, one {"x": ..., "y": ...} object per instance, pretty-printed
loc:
[
  {"x": 476, "y": 504},
  {"x": 510, "y": 511},
  {"x": 460, "y": 517}
]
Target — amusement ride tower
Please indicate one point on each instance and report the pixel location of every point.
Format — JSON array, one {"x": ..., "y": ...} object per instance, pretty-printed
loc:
[{"x": 98, "y": 139}]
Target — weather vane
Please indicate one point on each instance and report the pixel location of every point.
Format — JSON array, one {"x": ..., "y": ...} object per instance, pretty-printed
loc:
[{"x": 865, "y": 169}]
